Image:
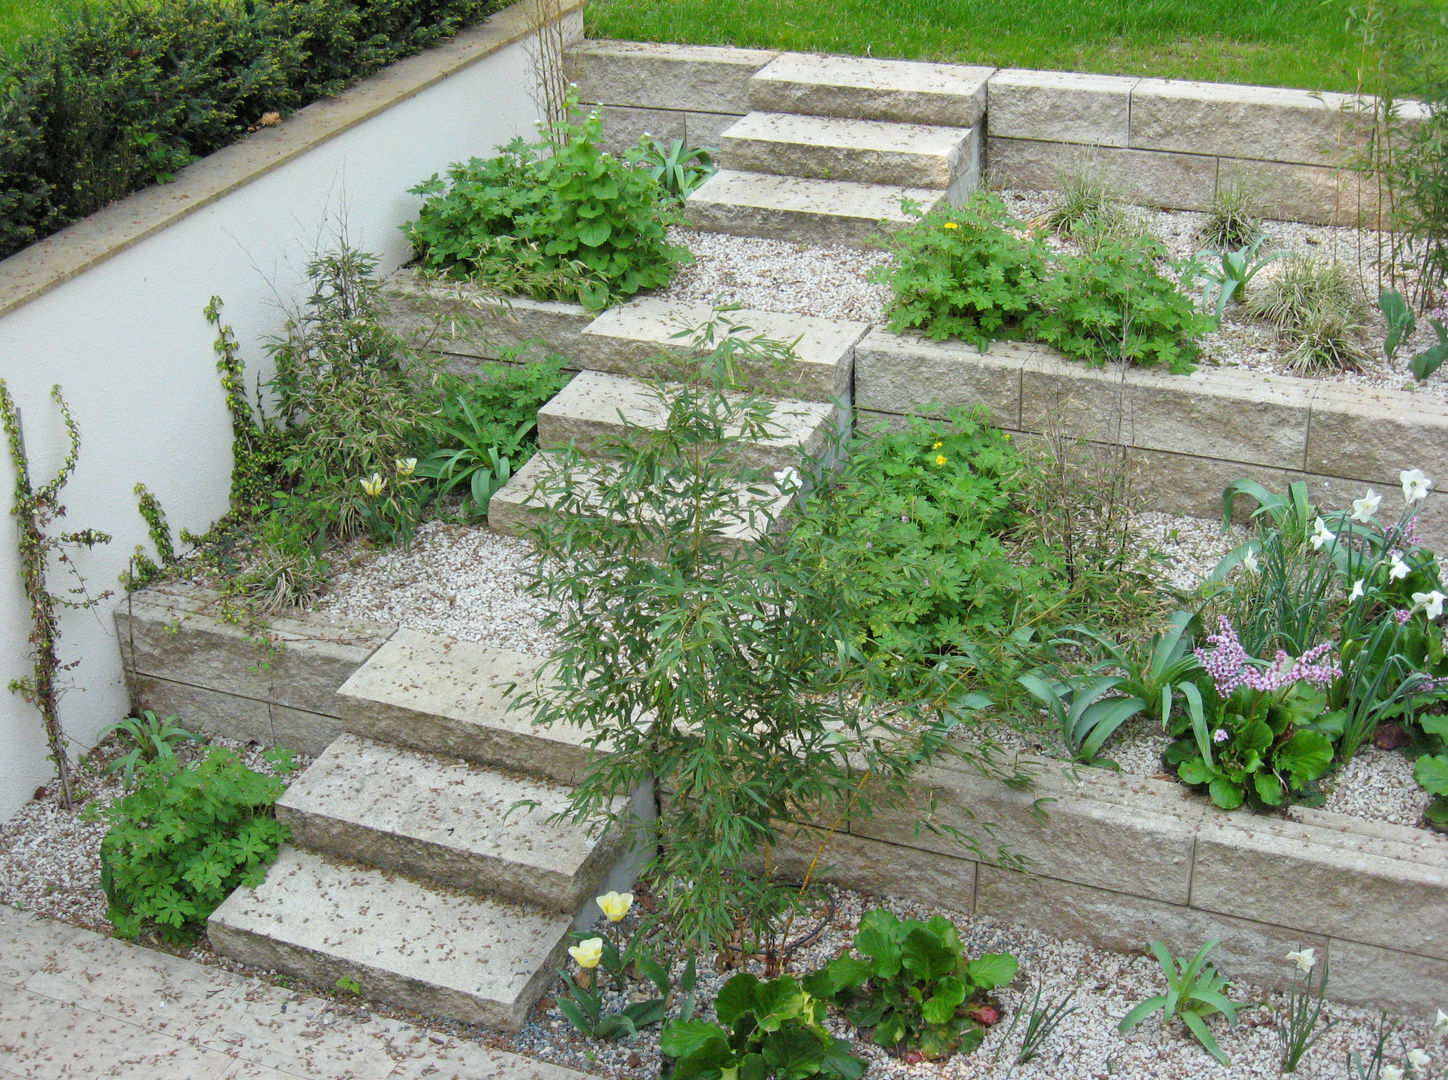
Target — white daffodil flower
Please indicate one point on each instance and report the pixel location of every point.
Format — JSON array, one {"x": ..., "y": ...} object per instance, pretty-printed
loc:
[
  {"x": 1398, "y": 569},
  {"x": 1419, "y": 1058},
  {"x": 1430, "y": 602},
  {"x": 614, "y": 904},
  {"x": 1249, "y": 562},
  {"x": 587, "y": 952},
  {"x": 1416, "y": 485},
  {"x": 1305, "y": 959},
  {"x": 1391, "y": 1072},
  {"x": 1321, "y": 534},
  {"x": 1440, "y": 1022},
  {"x": 1363, "y": 509},
  {"x": 1357, "y": 591}
]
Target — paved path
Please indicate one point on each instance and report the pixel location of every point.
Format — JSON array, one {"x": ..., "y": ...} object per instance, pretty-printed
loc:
[{"x": 75, "y": 1004}]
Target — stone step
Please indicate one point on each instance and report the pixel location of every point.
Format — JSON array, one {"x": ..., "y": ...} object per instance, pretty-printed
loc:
[
  {"x": 864, "y": 151},
  {"x": 864, "y": 88},
  {"x": 596, "y": 406},
  {"x": 518, "y": 505},
  {"x": 405, "y": 942},
  {"x": 802, "y": 209},
  {"x": 641, "y": 338},
  {"x": 433, "y": 693},
  {"x": 445, "y": 820}
]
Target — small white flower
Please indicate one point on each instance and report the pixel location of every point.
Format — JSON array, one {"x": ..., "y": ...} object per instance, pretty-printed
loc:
[
  {"x": 787, "y": 478},
  {"x": 1357, "y": 591},
  {"x": 1391, "y": 1072},
  {"x": 1440, "y": 1022},
  {"x": 1321, "y": 534},
  {"x": 1249, "y": 562},
  {"x": 1430, "y": 602},
  {"x": 1398, "y": 570},
  {"x": 1419, "y": 1058},
  {"x": 1363, "y": 509},
  {"x": 1303, "y": 958},
  {"x": 1415, "y": 485}
]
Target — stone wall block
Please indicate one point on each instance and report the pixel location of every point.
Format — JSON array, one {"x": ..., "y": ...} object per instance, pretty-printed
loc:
[
  {"x": 902, "y": 374},
  {"x": 690, "y": 77},
  {"x": 1060, "y": 106},
  {"x": 1153, "y": 178}
]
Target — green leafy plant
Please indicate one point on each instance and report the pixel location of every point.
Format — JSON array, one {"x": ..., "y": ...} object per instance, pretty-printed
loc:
[
  {"x": 150, "y": 739},
  {"x": 1041, "y": 1023},
  {"x": 766, "y": 1031},
  {"x": 562, "y": 201},
  {"x": 348, "y": 985},
  {"x": 1234, "y": 220},
  {"x": 678, "y": 169},
  {"x": 1194, "y": 992},
  {"x": 1085, "y": 203},
  {"x": 1238, "y": 266},
  {"x": 583, "y": 1003},
  {"x": 1315, "y": 304},
  {"x": 1431, "y": 771},
  {"x": 911, "y": 987},
  {"x": 1111, "y": 304},
  {"x": 1401, "y": 323},
  {"x": 1297, "y": 1028},
  {"x": 967, "y": 272},
  {"x": 185, "y": 837}
]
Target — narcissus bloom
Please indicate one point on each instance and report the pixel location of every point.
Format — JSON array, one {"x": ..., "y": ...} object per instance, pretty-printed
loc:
[
  {"x": 1305, "y": 959},
  {"x": 1249, "y": 562},
  {"x": 1415, "y": 485},
  {"x": 1398, "y": 569},
  {"x": 615, "y": 905},
  {"x": 1363, "y": 509},
  {"x": 1321, "y": 534},
  {"x": 1430, "y": 602},
  {"x": 1357, "y": 590},
  {"x": 406, "y": 466},
  {"x": 587, "y": 952}
]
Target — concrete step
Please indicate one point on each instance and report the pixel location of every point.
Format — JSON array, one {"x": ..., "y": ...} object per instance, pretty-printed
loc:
[
  {"x": 433, "y": 693},
  {"x": 518, "y": 505},
  {"x": 804, "y": 210},
  {"x": 864, "y": 151},
  {"x": 641, "y": 338},
  {"x": 409, "y": 943},
  {"x": 863, "y": 88},
  {"x": 444, "y": 820},
  {"x": 597, "y": 406}
]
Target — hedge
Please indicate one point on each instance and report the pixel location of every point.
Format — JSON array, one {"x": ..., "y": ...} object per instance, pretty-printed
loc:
[{"x": 126, "y": 94}]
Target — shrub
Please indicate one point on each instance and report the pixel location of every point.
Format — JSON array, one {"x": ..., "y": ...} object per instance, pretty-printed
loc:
[
  {"x": 967, "y": 272},
  {"x": 1110, "y": 303},
  {"x": 125, "y": 95},
  {"x": 185, "y": 838},
  {"x": 558, "y": 219}
]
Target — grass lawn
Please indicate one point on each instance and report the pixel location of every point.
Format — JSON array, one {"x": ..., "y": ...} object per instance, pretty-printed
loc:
[
  {"x": 21, "y": 17},
  {"x": 1301, "y": 43}
]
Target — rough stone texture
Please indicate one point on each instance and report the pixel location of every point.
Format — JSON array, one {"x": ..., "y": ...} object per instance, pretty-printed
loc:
[
  {"x": 1401, "y": 982},
  {"x": 1316, "y": 193},
  {"x": 1374, "y": 434},
  {"x": 868, "y": 89},
  {"x": 1149, "y": 177},
  {"x": 877, "y": 868},
  {"x": 1267, "y": 123},
  {"x": 805, "y": 210},
  {"x": 900, "y": 373},
  {"x": 629, "y": 340},
  {"x": 1328, "y": 874},
  {"x": 1187, "y": 484},
  {"x": 229, "y": 715},
  {"x": 692, "y": 77},
  {"x": 310, "y": 663},
  {"x": 624, "y": 126},
  {"x": 443, "y": 820},
  {"x": 457, "y": 319},
  {"x": 433, "y": 693},
  {"x": 707, "y": 130},
  {"x": 211, "y": 653},
  {"x": 1238, "y": 414},
  {"x": 1126, "y": 922},
  {"x": 596, "y": 405},
  {"x": 1060, "y": 106},
  {"x": 309, "y": 732},
  {"x": 1103, "y": 831},
  {"x": 415, "y": 945}
]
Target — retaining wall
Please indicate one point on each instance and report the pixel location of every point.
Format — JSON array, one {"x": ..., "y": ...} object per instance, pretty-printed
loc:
[
  {"x": 1161, "y": 142},
  {"x": 1116, "y": 860},
  {"x": 111, "y": 309}
]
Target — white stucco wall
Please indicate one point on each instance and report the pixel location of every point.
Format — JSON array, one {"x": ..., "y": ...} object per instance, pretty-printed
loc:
[{"x": 126, "y": 339}]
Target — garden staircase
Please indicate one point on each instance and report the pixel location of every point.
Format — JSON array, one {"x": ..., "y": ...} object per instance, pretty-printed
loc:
[
  {"x": 834, "y": 144},
  {"x": 422, "y": 866},
  {"x": 619, "y": 352}
]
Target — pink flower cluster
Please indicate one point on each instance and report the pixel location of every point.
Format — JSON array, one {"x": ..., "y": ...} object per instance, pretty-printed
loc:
[{"x": 1231, "y": 668}]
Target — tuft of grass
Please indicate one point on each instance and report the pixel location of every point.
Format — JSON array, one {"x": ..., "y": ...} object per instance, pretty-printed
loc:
[
  {"x": 1085, "y": 203},
  {"x": 1235, "y": 217},
  {"x": 1325, "y": 343},
  {"x": 1317, "y": 305}
]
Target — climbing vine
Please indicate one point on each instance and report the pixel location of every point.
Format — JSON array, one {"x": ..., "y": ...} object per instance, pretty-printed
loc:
[
  {"x": 143, "y": 569},
  {"x": 35, "y": 510}
]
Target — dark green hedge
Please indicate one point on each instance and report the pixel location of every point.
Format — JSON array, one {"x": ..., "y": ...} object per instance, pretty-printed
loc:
[{"x": 128, "y": 93}]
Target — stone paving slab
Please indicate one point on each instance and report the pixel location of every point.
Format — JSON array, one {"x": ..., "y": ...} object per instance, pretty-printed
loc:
[
  {"x": 78, "y": 1004},
  {"x": 864, "y": 88}
]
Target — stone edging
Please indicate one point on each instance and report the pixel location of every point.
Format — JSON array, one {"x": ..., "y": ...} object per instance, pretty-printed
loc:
[
  {"x": 50, "y": 262},
  {"x": 1118, "y": 861}
]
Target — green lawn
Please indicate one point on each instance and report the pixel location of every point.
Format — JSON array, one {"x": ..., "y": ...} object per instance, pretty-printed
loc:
[
  {"x": 1301, "y": 43},
  {"x": 21, "y": 17}
]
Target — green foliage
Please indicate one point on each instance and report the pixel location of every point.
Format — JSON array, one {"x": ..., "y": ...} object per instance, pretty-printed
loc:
[
  {"x": 1297, "y": 1028},
  {"x": 1398, "y": 314},
  {"x": 149, "y": 739},
  {"x": 1315, "y": 305},
  {"x": 1194, "y": 992},
  {"x": 765, "y": 1031},
  {"x": 585, "y": 225},
  {"x": 965, "y": 272},
  {"x": 486, "y": 429},
  {"x": 1085, "y": 203},
  {"x": 583, "y": 1007},
  {"x": 1111, "y": 304},
  {"x": 1238, "y": 266},
  {"x": 1234, "y": 220},
  {"x": 35, "y": 510},
  {"x": 678, "y": 169},
  {"x": 184, "y": 838},
  {"x": 143, "y": 569},
  {"x": 1431, "y": 770},
  {"x": 911, "y": 987},
  {"x": 119, "y": 96},
  {"x": 1041, "y": 1023}
]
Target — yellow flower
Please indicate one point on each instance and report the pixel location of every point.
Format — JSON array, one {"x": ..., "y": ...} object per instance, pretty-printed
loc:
[
  {"x": 1008, "y": 438},
  {"x": 375, "y": 486},
  {"x": 406, "y": 466},
  {"x": 587, "y": 952},
  {"x": 938, "y": 445},
  {"x": 951, "y": 225},
  {"x": 614, "y": 904},
  {"x": 940, "y": 459}
]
